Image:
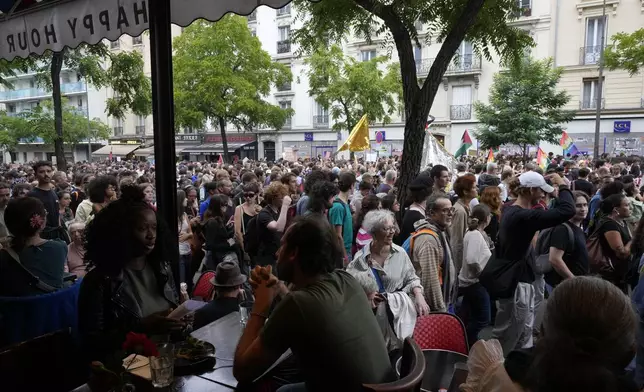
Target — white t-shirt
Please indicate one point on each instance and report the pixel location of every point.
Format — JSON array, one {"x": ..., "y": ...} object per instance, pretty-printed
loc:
[{"x": 476, "y": 253}]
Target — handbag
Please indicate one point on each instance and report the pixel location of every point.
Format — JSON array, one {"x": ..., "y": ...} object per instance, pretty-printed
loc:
[{"x": 500, "y": 277}]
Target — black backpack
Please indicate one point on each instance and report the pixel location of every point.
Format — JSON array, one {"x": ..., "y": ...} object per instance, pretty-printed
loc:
[
  {"x": 542, "y": 259},
  {"x": 251, "y": 237}
]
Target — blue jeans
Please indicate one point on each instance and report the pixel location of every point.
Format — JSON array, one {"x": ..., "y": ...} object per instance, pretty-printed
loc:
[{"x": 477, "y": 302}]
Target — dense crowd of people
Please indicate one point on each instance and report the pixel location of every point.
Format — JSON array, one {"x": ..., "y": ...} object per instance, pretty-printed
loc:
[{"x": 345, "y": 270}]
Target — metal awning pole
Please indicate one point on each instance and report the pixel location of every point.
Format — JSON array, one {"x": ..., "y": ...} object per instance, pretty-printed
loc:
[{"x": 163, "y": 115}]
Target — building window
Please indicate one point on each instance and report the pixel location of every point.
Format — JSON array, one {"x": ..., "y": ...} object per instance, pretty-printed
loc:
[
  {"x": 525, "y": 7},
  {"x": 65, "y": 79},
  {"x": 24, "y": 157},
  {"x": 589, "y": 94},
  {"x": 253, "y": 32},
  {"x": 464, "y": 55},
  {"x": 38, "y": 156},
  {"x": 80, "y": 103},
  {"x": 115, "y": 44},
  {"x": 284, "y": 43},
  {"x": 368, "y": 55},
  {"x": 595, "y": 31},
  {"x": 286, "y": 105},
  {"x": 321, "y": 117},
  {"x": 253, "y": 16},
  {"x": 118, "y": 127},
  {"x": 461, "y": 108},
  {"x": 11, "y": 108},
  {"x": 284, "y": 11},
  {"x": 136, "y": 41},
  {"x": 140, "y": 125}
]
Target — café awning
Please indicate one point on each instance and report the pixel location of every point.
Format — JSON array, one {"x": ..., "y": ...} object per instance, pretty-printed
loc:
[
  {"x": 32, "y": 26},
  {"x": 117, "y": 150},
  {"x": 213, "y": 148}
]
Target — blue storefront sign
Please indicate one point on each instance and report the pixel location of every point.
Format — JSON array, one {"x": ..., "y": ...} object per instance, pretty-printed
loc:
[
  {"x": 308, "y": 136},
  {"x": 622, "y": 126}
]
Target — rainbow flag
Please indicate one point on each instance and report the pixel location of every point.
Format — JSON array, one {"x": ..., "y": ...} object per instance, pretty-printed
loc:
[
  {"x": 542, "y": 159},
  {"x": 566, "y": 141},
  {"x": 490, "y": 156}
]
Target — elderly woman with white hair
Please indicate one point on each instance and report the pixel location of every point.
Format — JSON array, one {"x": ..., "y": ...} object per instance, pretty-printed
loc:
[
  {"x": 384, "y": 267},
  {"x": 76, "y": 250}
]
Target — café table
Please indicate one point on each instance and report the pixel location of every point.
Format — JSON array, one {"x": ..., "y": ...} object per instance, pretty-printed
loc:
[
  {"x": 224, "y": 334},
  {"x": 439, "y": 368}
]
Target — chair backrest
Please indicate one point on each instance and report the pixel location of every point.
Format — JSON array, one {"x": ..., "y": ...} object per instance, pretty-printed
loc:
[
  {"x": 412, "y": 370},
  {"x": 61, "y": 368},
  {"x": 204, "y": 288},
  {"x": 441, "y": 331},
  {"x": 24, "y": 318}
]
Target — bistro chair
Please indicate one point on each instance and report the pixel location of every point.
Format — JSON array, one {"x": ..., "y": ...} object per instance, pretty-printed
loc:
[
  {"x": 441, "y": 331},
  {"x": 203, "y": 288},
  {"x": 47, "y": 363},
  {"x": 412, "y": 370}
]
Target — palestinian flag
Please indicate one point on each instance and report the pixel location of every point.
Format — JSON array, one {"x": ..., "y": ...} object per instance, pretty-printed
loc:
[{"x": 466, "y": 143}]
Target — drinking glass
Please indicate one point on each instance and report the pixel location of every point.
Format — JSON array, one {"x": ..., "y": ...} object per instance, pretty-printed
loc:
[
  {"x": 162, "y": 367},
  {"x": 244, "y": 312}
]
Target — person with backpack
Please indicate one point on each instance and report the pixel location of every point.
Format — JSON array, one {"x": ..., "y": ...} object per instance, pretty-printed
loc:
[
  {"x": 430, "y": 253},
  {"x": 477, "y": 249},
  {"x": 340, "y": 213},
  {"x": 565, "y": 245}
]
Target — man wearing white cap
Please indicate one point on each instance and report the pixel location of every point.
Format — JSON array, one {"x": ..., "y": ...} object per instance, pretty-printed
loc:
[{"x": 519, "y": 224}]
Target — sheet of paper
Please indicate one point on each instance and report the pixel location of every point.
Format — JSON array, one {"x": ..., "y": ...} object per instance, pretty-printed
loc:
[{"x": 190, "y": 306}]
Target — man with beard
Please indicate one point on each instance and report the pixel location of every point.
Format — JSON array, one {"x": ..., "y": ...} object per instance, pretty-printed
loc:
[
  {"x": 46, "y": 194},
  {"x": 5, "y": 195},
  {"x": 325, "y": 320}
]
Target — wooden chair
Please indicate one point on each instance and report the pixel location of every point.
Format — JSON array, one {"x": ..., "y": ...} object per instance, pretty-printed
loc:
[
  {"x": 47, "y": 363},
  {"x": 412, "y": 370}
]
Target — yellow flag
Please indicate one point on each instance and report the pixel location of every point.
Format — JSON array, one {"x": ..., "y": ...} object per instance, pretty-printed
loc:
[{"x": 358, "y": 139}]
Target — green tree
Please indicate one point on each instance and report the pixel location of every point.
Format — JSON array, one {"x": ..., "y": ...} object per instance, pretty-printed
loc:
[
  {"x": 12, "y": 130},
  {"x": 525, "y": 107},
  {"x": 221, "y": 74},
  {"x": 484, "y": 23},
  {"x": 124, "y": 75},
  {"x": 78, "y": 129},
  {"x": 353, "y": 88},
  {"x": 627, "y": 52}
]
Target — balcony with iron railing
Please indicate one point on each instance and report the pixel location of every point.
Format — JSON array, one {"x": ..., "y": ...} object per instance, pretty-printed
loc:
[
  {"x": 589, "y": 55},
  {"x": 140, "y": 129},
  {"x": 284, "y": 11},
  {"x": 284, "y": 46},
  {"x": 460, "y": 112},
  {"x": 460, "y": 65},
  {"x": 321, "y": 121},
  {"x": 37, "y": 92},
  {"x": 284, "y": 87},
  {"x": 118, "y": 131},
  {"x": 588, "y": 104}
]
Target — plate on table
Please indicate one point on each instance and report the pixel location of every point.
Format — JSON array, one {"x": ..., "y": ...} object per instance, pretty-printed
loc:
[{"x": 193, "y": 356}]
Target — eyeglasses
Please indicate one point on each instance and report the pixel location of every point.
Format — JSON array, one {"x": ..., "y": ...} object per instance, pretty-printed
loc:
[
  {"x": 449, "y": 211},
  {"x": 249, "y": 194},
  {"x": 390, "y": 229}
]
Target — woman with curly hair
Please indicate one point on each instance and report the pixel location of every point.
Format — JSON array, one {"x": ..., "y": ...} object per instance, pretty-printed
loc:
[
  {"x": 45, "y": 259},
  {"x": 130, "y": 286}
]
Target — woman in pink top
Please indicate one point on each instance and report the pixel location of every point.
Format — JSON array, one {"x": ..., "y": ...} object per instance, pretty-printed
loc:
[{"x": 361, "y": 236}]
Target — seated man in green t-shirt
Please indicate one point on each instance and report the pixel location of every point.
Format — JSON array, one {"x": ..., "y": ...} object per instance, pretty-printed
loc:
[{"x": 325, "y": 320}]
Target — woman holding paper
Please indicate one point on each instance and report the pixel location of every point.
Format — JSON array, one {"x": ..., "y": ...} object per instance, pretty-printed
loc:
[{"x": 129, "y": 286}]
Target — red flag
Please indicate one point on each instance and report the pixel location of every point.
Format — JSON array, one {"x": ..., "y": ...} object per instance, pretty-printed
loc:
[{"x": 110, "y": 154}]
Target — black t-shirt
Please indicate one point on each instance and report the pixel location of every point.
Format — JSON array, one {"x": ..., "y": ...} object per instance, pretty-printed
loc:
[
  {"x": 215, "y": 310},
  {"x": 407, "y": 227},
  {"x": 269, "y": 240},
  {"x": 50, "y": 200},
  {"x": 584, "y": 186},
  {"x": 575, "y": 255},
  {"x": 611, "y": 225}
]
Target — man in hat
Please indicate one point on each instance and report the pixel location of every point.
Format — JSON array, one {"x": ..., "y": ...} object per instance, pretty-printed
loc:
[{"x": 228, "y": 282}]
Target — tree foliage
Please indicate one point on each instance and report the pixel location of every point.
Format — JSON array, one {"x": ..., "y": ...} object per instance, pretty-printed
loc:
[
  {"x": 221, "y": 74},
  {"x": 78, "y": 128},
  {"x": 124, "y": 74},
  {"x": 448, "y": 22},
  {"x": 627, "y": 52},
  {"x": 351, "y": 88},
  {"x": 12, "y": 130},
  {"x": 525, "y": 106}
]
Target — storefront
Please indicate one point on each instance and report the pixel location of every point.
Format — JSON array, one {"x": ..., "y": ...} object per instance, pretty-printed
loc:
[
  {"x": 119, "y": 149},
  {"x": 303, "y": 145},
  {"x": 240, "y": 146}
]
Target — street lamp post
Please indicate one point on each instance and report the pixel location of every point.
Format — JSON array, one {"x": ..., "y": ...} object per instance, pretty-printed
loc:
[{"x": 600, "y": 83}]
